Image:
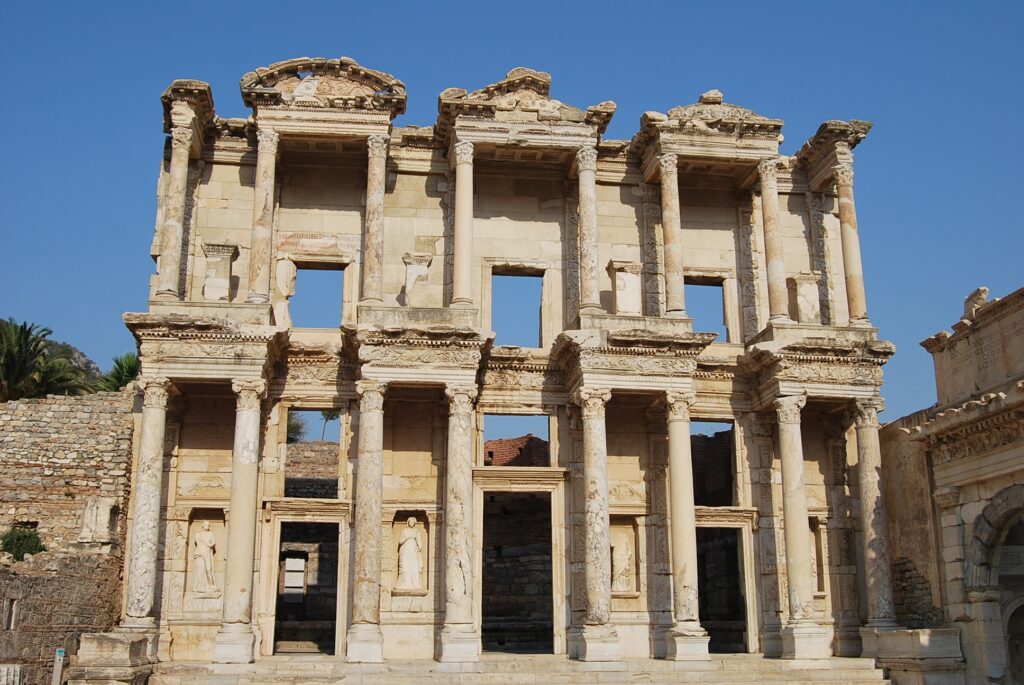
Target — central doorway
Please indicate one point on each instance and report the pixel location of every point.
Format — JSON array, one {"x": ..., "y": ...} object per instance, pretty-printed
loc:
[
  {"x": 307, "y": 588},
  {"x": 517, "y": 600}
]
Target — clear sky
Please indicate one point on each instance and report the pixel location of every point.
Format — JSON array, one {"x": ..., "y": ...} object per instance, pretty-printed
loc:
[{"x": 937, "y": 179}]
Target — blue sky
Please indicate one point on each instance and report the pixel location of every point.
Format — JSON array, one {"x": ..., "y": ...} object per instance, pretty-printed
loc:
[{"x": 937, "y": 179}]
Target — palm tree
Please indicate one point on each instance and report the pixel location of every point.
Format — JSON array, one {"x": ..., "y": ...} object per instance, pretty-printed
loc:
[
  {"x": 31, "y": 367},
  {"x": 328, "y": 416},
  {"x": 125, "y": 369}
]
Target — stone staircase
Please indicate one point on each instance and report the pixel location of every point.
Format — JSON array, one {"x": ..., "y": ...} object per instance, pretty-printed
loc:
[{"x": 513, "y": 669}]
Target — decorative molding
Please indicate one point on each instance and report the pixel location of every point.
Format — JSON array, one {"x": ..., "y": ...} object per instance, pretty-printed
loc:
[
  {"x": 586, "y": 158},
  {"x": 678, "y": 405},
  {"x": 460, "y": 398},
  {"x": 371, "y": 395},
  {"x": 377, "y": 145},
  {"x": 181, "y": 138},
  {"x": 768, "y": 170},
  {"x": 268, "y": 141},
  {"x": 843, "y": 174}
]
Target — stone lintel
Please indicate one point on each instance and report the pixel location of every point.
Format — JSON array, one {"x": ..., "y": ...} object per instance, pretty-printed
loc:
[{"x": 327, "y": 123}]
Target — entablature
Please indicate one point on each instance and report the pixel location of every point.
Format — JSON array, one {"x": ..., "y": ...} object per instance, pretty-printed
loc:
[{"x": 831, "y": 145}]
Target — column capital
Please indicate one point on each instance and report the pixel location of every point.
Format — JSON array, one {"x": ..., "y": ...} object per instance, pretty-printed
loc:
[
  {"x": 248, "y": 392},
  {"x": 371, "y": 395},
  {"x": 460, "y": 398},
  {"x": 267, "y": 140},
  {"x": 586, "y": 158},
  {"x": 865, "y": 412},
  {"x": 843, "y": 174},
  {"x": 678, "y": 405},
  {"x": 377, "y": 145},
  {"x": 591, "y": 401},
  {"x": 181, "y": 138},
  {"x": 154, "y": 391},
  {"x": 669, "y": 164},
  {"x": 768, "y": 170},
  {"x": 787, "y": 409},
  {"x": 463, "y": 152}
]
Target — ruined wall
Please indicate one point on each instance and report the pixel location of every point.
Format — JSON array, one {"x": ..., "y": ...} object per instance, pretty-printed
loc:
[{"x": 311, "y": 470}]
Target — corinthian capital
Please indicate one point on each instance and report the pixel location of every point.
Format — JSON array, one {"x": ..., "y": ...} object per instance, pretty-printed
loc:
[
  {"x": 267, "y": 140},
  {"x": 586, "y": 158},
  {"x": 378, "y": 145},
  {"x": 843, "y": 173},
  {"x": 669, "y": 164},
  {"x": 787, "y": 409},
  {"x": 154, "y": 392},
  {"x": 248, "y": 393},
  {"x": 181, "y": 138},
  {"x": 460, "y": 398},
  {"x": 865, "y": 412},
  {"x": 463, "y": 152},
  {"x": 371, "y": 395},
  {"x": 678, "y": 405},
  {"x": 591, "y": 401},
  {"x": 768, "y": 170}
]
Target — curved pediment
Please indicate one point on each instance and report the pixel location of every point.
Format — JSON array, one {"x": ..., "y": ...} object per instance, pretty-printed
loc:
[
  {"x": 713, "y": 116},
  {"x": 319, "y": 83}
]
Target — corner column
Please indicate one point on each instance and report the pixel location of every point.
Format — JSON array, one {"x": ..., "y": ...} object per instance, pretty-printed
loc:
[
  {"x": 775, "y": 263},
  {"x": 234, "y": 641},
  {"x": 462, "y": 272},
  {"x": 672, "y": 230},
  {"x": 877, "y": 569},
  {"x": 460, "y": 640},
  {"x": 802, "y": 637},
  {"x": 373, "y": 236},
  {"x": 595, "y": 640},
  {"x": 173, "y": 228},
  {"x": 147, "y": 490},
  {"x": 590, "y": 290},
  {"x": 688, "y": 639},
  {"x": 365, "y": 640},
  {"x": 856, "y": 298},
  {"x": 262, "y": 218}
]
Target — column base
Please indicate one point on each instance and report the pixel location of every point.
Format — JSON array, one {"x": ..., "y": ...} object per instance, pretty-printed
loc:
[
  {"x": 462, "y": 302},
  {"x": 234, "y": 644},
  {"x": 806, "y": 641},
  {"x": 458, "y": 644},
  {"x": 365, "y": 644},
  {"x": 257, "y": 298},
  {"x": 593, "y": 643},
  {"x": 686, "y": 642},
  {"x": 872, "y": 634}
]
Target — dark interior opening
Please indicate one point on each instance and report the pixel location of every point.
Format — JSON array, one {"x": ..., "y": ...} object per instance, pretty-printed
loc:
[
  {"x": 722, "y": 606},
  {"x": 518, "y": 608},
  {"x": 307, "y": 588},
  {"x": 711, "y": 444}
]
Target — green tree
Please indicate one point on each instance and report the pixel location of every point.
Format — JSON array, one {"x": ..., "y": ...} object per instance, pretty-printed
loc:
[
  {"x": 20, "y": 541},
  {"x": 31, "y": 367},
  {"x": 328, "y": 416},
  {"x": 125, "y": 369},
  {"x": 296, "y": 427}
]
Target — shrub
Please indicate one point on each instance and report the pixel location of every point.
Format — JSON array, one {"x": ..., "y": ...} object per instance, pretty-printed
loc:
[{"x": 21, "y": 541}]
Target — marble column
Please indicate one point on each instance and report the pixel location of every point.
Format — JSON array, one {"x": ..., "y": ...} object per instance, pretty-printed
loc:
[
  {"x": 877, "y": 569},
  {"x": 172, "y": 230},
  {"x": 775, "y": 262},
  {"x": 802, "y": 637},
  {"x": 260, "y": 248},
  {"x": 688, "y": 639},
  {"x": 856, "y": 299},
  {"x": 373, "y": 236},
  {"x": 365, "y": 640},
  {"x": 590, "y": 290},
  {"x": 235, "y": 640},
  {"x": 596, "y": 639},
  {"x": 147, "y": 490},
  {"x": 672, "y": 230},
  {"x": 460, "y": 640},
  {"x": 462, "y": 272}
]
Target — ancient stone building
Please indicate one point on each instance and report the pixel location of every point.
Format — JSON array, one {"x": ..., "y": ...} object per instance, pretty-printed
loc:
[{"x": 764, "y": 535}]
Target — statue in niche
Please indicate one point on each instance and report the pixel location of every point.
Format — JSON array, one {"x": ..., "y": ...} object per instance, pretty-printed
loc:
[
  {"x": 622, "y": 563},
  {"x": 410, "y": 557},
  {"x": 205, "y": 546}
]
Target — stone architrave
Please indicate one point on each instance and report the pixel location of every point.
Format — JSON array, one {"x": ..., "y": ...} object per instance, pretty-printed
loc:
[
  {"x": 365, "y": 640},
  {"x": 217, "y": 284},
  {"x": 459, "y": 638},
  {"x": 775, "y": 261},
  {"x": 856, "y": 298},
  {"x": 235, "y": 640},
  {"x": 173, "y": 229},
  {"x": 373, "y": 236},
  {"x": 590, "y": 291},
  {"x": 672, "y": 230},
  {"x": 262, "y": 217},
  {"x": 462, "y": 273}
]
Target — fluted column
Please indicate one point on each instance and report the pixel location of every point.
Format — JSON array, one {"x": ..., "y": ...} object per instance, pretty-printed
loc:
[
  {"x": 460, "y": 640},
  {"x": 672, "y": 231},
  {"x": 688, "y": 639},
  {"x": 234, "y": 641},
  {"x": 462, "y": 273},
  {"x": 856, "y": 298},
  {"x": 365, "y": 640},
  {"x": 373, "y": 236},
  {"x": 262, "y": 217},
  {"x": 877, "y": 570},
  {"x": 173, "y": 228},
  {"x": 775, "y": 262},
  {"x": 802, "y": 637},
  {"x": 147, "y": 489},
  {"x": 590, "y": 290},
  {"x": 595, "y": 640}
]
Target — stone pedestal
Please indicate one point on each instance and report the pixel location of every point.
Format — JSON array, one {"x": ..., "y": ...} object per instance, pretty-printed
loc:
[
  {"x": 806, "y": 640},
  {"x": 593, "y": 643},
  {"x": 234, "y": 644},
  {"x": 365, "y": 643}
]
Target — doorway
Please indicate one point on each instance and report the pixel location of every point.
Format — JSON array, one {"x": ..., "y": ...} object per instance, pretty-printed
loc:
[
  {"x": 723, "y": 610},
  {"x": 307, "y": 588},
  {"x": 517, "y": 602}
]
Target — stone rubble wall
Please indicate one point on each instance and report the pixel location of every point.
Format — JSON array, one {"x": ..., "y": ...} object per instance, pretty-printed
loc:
[{"x": 311, "y": 470}]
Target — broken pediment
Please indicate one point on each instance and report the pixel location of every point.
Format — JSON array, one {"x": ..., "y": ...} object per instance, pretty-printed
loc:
[
  {"x": 319, "y": 83},
  {"x": 712, "y": 116}
]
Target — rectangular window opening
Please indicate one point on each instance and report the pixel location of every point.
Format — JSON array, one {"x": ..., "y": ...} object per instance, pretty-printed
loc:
[
  {"x": 516, "y": 309},
  {"x": 516, "y": 440},
  {"x": 711, "y": 444},
  {"x": 312, "y": 455},
  {"x": 705, "y": 304},
  {"x": 317, "y": 301}
]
